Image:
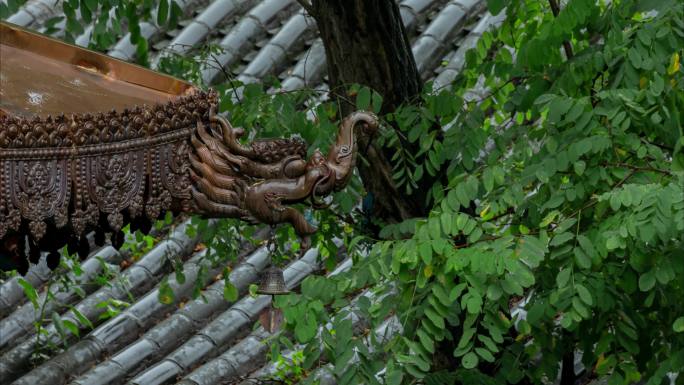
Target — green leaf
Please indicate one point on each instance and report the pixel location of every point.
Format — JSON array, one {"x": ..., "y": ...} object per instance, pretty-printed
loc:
[
  {"x": 363, "y": 98},
  {"x": 499, "y": 175},
  {"x": 5, "y": 11},
  {"x": 474, "y": 304},
  {"x": 162, "y": 12},
  {"x": 436, "y": 319},
  {"x": 466, "y": 337},
  {"x": 491, "y": 345},
  {"x": 446, "y": 221},
  {"x": 647, "y": 281},
  {"x": 494, "y": 291},
  {"x": 435, "y": 228},
  {"x": 532, "y": 250},
  {"x": 559, "y": 107},
  {"x": 469, "y": 361},
  {"x": 71, "y": 326},
  {"x": 586, "y": 245},
  {"x": 674, "y": 65},
  {"x": 86, "y": 13},
  {"x": 230, "y": 292},
  {"x": 92, "y": 5},
  {"x": 469, "y": 226},
  {"x": 563, "y": 277},
  {"x": 511, "y": 286},
  {"x": 165, "y": 294},
  {"x": 488, "y": 179},
  {"x": 57, "y": 321},
  {"x": 180, "y": 276},
  {"x": 579, "y": 167},
  {"x": 485, "y": 354},
  {"x": 141, "y": 50},
  {"x": 377, "y": 102},
  {"x": 678, "y": 325},
  {"x": 535, "y": 313},
  {"x": 561, "y": 238},
  {"x": 580, "y": 308},
  {"x": 29, "y": 291},
  {"x": 425, "y": 250},
  {"x": 658, "y": 85},
  {"x": 81, "y": 318},
  {"x": 455, "y": 293},
  {"x": 549, "y": 218},
  {"x": 615, "y": 202},
  {"x": 426, "y": 341},
  {"x": 452, "y": 200},
  {"x": 543, "y": 99},
  {"x": 441, "y": 295},
  {"x": 584, "y": 294},
  {"x": 306, "y": 329},
  {"x": 581, "y": 258},
  {"x": 634, "y": 57},
  {"x": 176, "y": 12},
  {"x": 496, "y": 6},
  {"x": 523, "y": 229},
  {"x": 612, "y": 243},
  {"x": 475, "y": 235}
]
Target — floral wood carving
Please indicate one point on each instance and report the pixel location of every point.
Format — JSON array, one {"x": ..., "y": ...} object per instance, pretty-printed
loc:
[{"x": 64, "y": 176}]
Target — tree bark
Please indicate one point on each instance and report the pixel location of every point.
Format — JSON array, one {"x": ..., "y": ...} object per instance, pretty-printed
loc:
[{"x": 366, "y": 43}]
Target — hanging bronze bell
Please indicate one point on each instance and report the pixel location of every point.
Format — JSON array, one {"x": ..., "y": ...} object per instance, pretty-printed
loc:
[{"x": 272, "y": 282}]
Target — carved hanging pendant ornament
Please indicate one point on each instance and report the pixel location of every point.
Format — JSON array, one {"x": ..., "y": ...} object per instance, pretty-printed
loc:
[{"x": 91, "y": 143}]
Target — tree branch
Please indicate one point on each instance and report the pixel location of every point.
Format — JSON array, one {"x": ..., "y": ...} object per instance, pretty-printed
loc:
[
  {"x": 555, "y": 9},
  {"x": 568, "y": 366},
  {"x": 638, "y": 168}
]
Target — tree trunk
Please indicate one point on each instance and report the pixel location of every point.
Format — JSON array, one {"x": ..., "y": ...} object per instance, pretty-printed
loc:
[{"x": 366, "y": 43}]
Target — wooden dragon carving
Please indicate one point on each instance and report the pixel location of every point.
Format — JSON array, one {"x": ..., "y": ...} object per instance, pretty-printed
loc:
[{"x": 63, "y": 176}]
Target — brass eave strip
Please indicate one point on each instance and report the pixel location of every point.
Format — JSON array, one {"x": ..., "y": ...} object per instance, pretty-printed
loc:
[{"x": 19, "y": 37}]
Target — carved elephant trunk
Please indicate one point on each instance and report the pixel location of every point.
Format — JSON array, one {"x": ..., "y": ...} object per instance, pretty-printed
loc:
[{"x": 342, "y": 154}]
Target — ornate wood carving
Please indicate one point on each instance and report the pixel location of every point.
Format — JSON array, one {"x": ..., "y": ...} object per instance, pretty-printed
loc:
[{"x": 63, "y": 176}]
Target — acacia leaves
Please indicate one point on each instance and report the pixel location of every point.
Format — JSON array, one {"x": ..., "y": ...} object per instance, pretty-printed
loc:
[{"x": 559, "y": 216}]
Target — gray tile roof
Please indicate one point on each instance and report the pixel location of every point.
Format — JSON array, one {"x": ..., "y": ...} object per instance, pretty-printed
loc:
[
  {"x": 208, "y": 340},
  {"x": 35, "y": 12}
]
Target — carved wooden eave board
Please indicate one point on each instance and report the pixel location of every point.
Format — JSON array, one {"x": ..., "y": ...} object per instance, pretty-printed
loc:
[
  {"x": 146, "y": 345},
  {"x": 83, "y": 135}
]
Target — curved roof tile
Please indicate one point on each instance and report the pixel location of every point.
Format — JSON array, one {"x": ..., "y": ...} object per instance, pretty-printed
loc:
[
  {"x": 273, "y": 55},
  {"x": 237, "y": 42},
  {"x": 136, "y": 280},
  {"x": 170, "y": 333},
  {"x": 431, "y": 46},
  {"x": 35, "y": 12},
  {"x": 221, "y": 330},
  {"x": 201, "y": 26},
  {"x": 21, "y": 322}
]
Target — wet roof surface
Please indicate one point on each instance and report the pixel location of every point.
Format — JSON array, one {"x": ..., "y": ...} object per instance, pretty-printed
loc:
[{"x": 210, "y": 340}]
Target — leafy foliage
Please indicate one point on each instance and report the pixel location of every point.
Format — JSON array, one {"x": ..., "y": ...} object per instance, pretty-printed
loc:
[
  {"x": 10, "y": 7},
  {"x": 558, "y": 227},
  {"x": 105, "y": 21}
]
